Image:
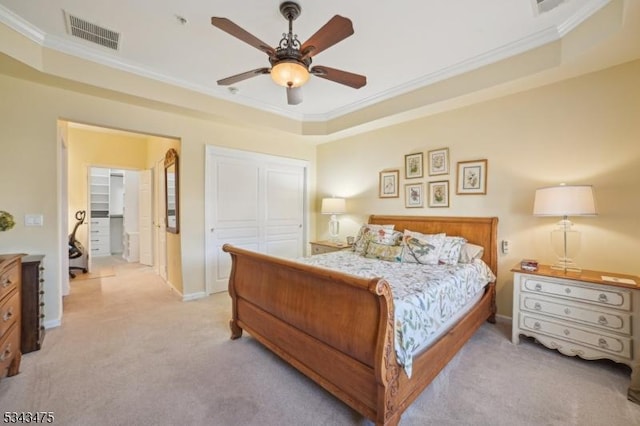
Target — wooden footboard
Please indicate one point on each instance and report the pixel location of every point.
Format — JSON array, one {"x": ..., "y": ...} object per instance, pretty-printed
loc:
[{"x": 337, "y": 329}]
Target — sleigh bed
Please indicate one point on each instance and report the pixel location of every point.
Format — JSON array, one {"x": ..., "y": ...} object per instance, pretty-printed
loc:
[{"x": 338, "y": 328}]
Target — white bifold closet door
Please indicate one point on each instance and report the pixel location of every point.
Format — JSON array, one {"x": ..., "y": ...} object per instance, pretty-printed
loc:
[{"x": 253, "y": 201}]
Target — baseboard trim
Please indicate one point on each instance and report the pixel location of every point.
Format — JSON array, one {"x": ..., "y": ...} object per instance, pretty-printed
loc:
[
  {"x": 52, "y": 323},
  {"x": 193, "y": 296},
  {"x": 504, "y": 318}
]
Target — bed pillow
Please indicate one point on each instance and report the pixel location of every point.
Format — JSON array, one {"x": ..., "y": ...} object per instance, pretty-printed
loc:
[
  {"x": 365, "y": 234},
  {"x": 421, "y": 248},
  {"x": 390, "y": 253},
  {"x": 451, "y": 248},
  {"x": 470, "y": 252},
  {"x": 387, "y": 237}
]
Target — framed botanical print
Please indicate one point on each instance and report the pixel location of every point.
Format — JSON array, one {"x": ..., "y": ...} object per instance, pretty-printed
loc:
[
  {"x": 438, "y": 162},
  {"x": 413, "y": 166},
  {"x": 439, "y": 193},
  {"x": 389, "y": 184},
  {"x": 472, "y": 177},
  {"x": 413, "y": 195}
]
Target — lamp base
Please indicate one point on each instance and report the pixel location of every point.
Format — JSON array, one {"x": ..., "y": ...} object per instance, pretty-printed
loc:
[
  {"x": 566, "y": 244},
  {"x": 334, "y": 229},
  {"x": 571, "y": 267}
]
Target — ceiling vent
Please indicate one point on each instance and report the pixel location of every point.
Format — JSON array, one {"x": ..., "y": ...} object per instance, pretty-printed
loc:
[
  {"x": 85, "y": 30},
  {"x": 542, "y": 6}
]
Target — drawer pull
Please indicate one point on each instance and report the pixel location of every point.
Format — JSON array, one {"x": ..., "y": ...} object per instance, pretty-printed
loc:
[
  {"x": 7, "y": 315},
  {"x": 537, "y": 306},
  {"x": 602, "y": 297},
  {"x": 602, "y": 320},
  {"x": 6, "y": 353},
  {"x": 538, "y": 287},
  {"x": 566, "y": 332},
  {"x": 567, "y": 290},
  {"x": 567, "y": 311},
  {"x": 41, "y": 292},
  {"x": 41, "y": 303},
  {"x": 41, "y": 280},
  {"x": 603, "y": 343},
  {"x": 6, "y": 283},
  {"x": 41, "y": 315},
  {"x": 536, "y": 325}
]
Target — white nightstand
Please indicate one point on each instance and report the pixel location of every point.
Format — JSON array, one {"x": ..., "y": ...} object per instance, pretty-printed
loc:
[
  {"x": 579, "y": 313},
  {"x": 320, "y": 247}
]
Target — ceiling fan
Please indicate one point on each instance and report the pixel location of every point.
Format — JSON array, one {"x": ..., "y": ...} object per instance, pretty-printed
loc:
[{"x": 291, "y": 60}]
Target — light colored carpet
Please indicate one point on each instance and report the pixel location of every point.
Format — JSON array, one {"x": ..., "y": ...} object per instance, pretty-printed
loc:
[
  {"x": 129, "y": 352},
  {"x": 102, "y": 272}
]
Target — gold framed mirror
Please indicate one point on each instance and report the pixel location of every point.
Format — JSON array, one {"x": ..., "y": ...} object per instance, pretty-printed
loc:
[{"x": 172, "y": 193}]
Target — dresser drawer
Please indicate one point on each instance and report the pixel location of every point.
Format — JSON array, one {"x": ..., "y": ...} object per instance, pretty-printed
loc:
[
  {"x": 610, "y": 320},
  {"x": 610, "y": 296},
  {"x": 100, "y": 249},
  {"x": 9, "y": 278},
  {"x": 9, "y": 347},
  {"x": 315, "y": 249},
  {"x": 618, "y": 345},
  {"x": 100, "y": 222},
  {"x": 9, "y": 312}
]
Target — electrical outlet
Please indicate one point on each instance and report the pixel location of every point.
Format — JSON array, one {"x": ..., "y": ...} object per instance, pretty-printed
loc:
[{"x": 505, "y": 246}]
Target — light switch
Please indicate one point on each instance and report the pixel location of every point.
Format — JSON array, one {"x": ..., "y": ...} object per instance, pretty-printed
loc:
[
  {"x": 33, "y": 220},
  {"x": 505, "y": 246}
]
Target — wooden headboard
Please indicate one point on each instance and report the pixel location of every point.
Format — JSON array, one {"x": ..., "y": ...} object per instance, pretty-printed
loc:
[{"x": 482, "y": 231}]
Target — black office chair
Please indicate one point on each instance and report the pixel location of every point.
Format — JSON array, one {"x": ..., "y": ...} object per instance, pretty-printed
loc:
[{"x": 76, "y": 249}]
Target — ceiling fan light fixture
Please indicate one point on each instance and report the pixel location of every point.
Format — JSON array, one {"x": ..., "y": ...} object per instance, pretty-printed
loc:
[{"x": 289, "y": 73}]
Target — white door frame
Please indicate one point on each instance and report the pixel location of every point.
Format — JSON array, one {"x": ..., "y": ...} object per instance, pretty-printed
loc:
[{"x": 159, "y": 221}]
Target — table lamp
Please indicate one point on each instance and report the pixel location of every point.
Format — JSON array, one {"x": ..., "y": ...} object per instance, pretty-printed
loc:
[
  {"x": 333, "y": 206},
  {"x": 564, "y": 201}
]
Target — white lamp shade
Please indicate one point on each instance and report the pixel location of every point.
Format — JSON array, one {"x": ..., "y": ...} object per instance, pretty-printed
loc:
[
  {"x": 565, "y": 200},
  {"x": 333, "y": 206}
]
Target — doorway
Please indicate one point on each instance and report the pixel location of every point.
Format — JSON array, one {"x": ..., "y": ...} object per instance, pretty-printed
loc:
[{"x": 130, "y": 157}]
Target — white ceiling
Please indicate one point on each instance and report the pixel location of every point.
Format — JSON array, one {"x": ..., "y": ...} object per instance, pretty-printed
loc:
[{"x": 401, "y": 46}]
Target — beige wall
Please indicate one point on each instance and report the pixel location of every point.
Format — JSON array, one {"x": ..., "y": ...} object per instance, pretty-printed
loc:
[
  {"x": 581, "y": 131},
  {"x": 31, "y": 172}
]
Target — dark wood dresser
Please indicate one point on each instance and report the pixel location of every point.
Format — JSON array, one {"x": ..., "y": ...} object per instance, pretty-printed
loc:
[
  {"x": 10, "y": 284},
  {"x": 32, "y": 303}
]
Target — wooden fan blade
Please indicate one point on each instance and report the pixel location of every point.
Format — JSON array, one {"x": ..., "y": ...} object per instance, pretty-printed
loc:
[
  {"x": 229, "y": 27},
  {"x": 337, "y": 29},
  {"x": 245, "y": 75},
  {"x": 294, "y": 95},
  {"x": 343, "y": 77}
]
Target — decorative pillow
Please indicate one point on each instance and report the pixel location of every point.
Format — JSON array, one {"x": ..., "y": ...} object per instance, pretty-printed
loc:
[
  {"x": 470, "y": 252},
  {"x": 365, "y": 234},
  {"x": 451, "y": 248},
  {"x": 387, "y": 237},
  {"x": 384, "y": 252},
  {"x": 421, "y": 248}
]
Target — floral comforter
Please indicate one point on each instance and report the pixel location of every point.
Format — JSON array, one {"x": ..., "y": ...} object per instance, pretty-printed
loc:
[{"x": 424, "y": 296}]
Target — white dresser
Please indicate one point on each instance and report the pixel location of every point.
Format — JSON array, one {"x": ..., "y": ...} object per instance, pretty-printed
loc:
[{"x": 579, "y": 313}]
